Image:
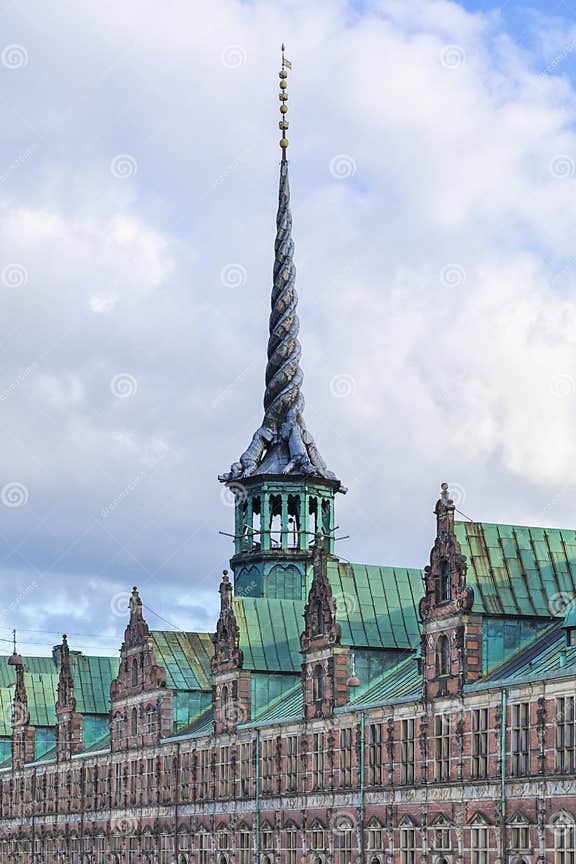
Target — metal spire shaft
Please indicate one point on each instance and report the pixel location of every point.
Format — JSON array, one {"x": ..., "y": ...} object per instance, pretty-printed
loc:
[
  {"x": 282, "y": 445},
  {"x": 283, "y": 374}
]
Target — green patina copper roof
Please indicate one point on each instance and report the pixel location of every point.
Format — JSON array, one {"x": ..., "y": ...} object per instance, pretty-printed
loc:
[
  {"x": 92, "y": 679},
  {"x": 376, "y": 606},
  {"x": 548, "y": 655},
  {"x": 402, "y": 681},
  {"x": 522, "y": 578},
  {"x": 270, "y": 633},
  {"x": 289, "y": 705},
  {"x": 185, "y": 657},
  {"x": 570, "y": 617},
  {"x": 203, "y": 724},
  {"x": 40, "y": 665},
  {"x": 41, "y": 691},
  {"x": 516, "y": 570}
]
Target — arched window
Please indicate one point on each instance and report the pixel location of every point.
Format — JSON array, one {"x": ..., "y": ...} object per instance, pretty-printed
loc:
[
  {"x": 443, "y": 656},
  {"x": 134, "y": 722},
  {"x": 135, "y": 672},
  {"x": 342, "y": 832},
  {"x": 564, "y": 840},
  {"x": 317, "y": 684},
  {"x": 444, "y": 581}
]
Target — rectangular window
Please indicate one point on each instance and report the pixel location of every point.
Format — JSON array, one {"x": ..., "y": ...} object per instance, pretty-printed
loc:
[
  {"x": 479, "y": 845},
  {"x": 442, "y": 838},
  {"x": 565, "y": 734},
  {"x": 291, "y": 846},
  {"x": 375, "y": 838},
  {"x": 520, "y": 737},
  {"x": 407, "y": 740},
  {"x": 564, "y": 844},
  {"x": 375, "y": 754},
  {"x": 267, "y": 841},
  {"x": 203, "y": 771},
  {"x": 442, "y": 747},
  {"x": 480, "y": 743},
  {"x": 203, "y": 847},
  {"x": 291, "y": 763},
  {"x": 267, "y": 765},
  {"x": 244, "y": 848},
  {"x": 343, "y": 844},
  {"x": 245, "y": 769},
  {"x": 318, "y": 760},
  {"x": 407, "y": 846},
  {"x": 346, "y": 757},
  {"x": 118, "y": 784},
  {"x": 149, "y": 781},
  {"x": 224, "y": 772},
  {"x": 185, "y": 778},
  {"x": 520, "y": 838},
  {"x": 133, "y": 781},
  {"x": 317, "y": 839}
]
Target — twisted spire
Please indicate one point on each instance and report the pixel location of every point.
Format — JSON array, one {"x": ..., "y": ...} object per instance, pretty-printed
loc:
[
  {"x": 282, "y": 445},
  {"x": 283, "y": 373}
]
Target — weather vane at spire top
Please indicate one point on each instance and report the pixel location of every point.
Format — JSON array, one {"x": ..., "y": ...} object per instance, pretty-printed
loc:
[{"x": 283, "y": 125}]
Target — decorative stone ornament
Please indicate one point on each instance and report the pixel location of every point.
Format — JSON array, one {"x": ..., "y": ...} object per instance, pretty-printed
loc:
[
  {"x": 326, "y": 663},
  {"x": 231, "y": 684},
  {"x": 451, "y": 633}
]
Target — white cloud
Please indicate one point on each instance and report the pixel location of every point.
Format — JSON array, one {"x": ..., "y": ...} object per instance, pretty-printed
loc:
[{"x": 436, "y": 278}]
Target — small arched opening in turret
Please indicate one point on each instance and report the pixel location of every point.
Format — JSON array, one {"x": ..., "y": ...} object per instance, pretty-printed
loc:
[
  {"x": 256, "y": 522},
  {"x": 293, "y": 521},
  {"x": 313, "y": 523},
  {"x": 326, "y": 517},
  {"x": 275, "y": 520}
]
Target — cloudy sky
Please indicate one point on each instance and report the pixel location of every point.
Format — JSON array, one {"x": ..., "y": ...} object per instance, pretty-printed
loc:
[{"x": 433, "y": 171}]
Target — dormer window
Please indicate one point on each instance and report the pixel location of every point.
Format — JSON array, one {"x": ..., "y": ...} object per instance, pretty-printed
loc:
[
  {"x": 317, "y": 684},
  {"x": 444, "y": 581},
  {"x": 442, "y": 657}
]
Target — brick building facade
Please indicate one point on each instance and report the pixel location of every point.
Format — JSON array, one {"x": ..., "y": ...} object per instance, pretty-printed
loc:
[{"x": 339, "y": 712}]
